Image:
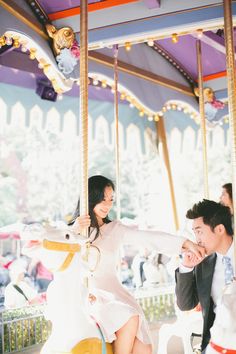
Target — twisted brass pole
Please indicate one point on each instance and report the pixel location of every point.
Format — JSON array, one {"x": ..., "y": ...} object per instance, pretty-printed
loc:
[
  {"x": 160, "y": 128},
  {"x": 84, "y": 109},
  {"x": 117, "y": 145},
  {"x": 231, "y": 81},
  {"x": 203, "y": 121}
]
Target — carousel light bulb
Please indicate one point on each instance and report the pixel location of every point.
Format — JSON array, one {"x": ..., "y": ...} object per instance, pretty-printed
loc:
[
  {"x": 24, "y": 50},
  {"x": 78, "y": 82},
  {"x": 199, "y": 33},
  {"x": 164, "y": 109},
  {"x": 156, "y": 118},
  {"x": 185, "y": 110},
  {"x": 131, "y": 105},
  {"x": 150, "y": 118},
  {"x": 174, "y": 38},
  {"x": 141, "y": 113},
  {"x": 160, "y": 114},
  {"x": 32, "y": 53},
  {"x": 104, "y": 84},
  {"x": 122, "y": 96},
  {"x": 168, "y": 107},
  {"x": 174, "y": 106},
  {"x": 8, "y": 41},
  {"x": 127, "y": 46},
  {"x": 150, "y": 42},
  {"x": 95, "y": 81},
  {"x": 40, "y": 65},
  {"x": 16, "y": 42},
  {"x": 2, "y": 41}
]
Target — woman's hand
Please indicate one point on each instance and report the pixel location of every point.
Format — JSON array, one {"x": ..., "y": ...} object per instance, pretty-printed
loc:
[
  {"x": 198, "y": 251},
  {"x": 190, "y": 260},
  {"x": 81, "y": 223},
  {"x": 92, "y": 299}
]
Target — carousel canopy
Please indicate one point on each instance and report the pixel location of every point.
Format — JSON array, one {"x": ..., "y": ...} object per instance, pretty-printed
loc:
[{"x": 157, "y": 58}]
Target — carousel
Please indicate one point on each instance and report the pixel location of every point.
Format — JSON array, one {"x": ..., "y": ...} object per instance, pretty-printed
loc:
[{"x": 162, "y": 73}]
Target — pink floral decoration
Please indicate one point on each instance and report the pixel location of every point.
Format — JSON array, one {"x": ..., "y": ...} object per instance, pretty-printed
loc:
[
  {"x": 75, "y": 51},
  {"x": 217, "y": 104}
]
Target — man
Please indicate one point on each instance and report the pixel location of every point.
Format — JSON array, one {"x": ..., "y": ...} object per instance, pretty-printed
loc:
[{"x": 203, "y": 281}]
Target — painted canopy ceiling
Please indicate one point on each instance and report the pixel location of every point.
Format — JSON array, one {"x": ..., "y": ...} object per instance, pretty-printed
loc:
[{"x": 152, "y": 73}]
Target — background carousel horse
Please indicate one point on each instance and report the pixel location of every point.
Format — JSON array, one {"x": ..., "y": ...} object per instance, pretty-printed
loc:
[
  {"x": 73, "y": 330},
  {"x": 223, "y": 332}
]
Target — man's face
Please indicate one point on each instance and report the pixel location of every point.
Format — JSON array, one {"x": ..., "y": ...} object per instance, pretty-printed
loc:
[{"x": 205, "y": 237}]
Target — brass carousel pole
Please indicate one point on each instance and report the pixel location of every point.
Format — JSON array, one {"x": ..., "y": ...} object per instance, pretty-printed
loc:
[
  {"x": 84, "y": 120},
  {"x": 231, "y": 79},
  {"x": 202, "y": 115},
  {"x": 84, "y": 110},
  {"x": 161, "y": 133},
  {"x": 117, "y": 145}
]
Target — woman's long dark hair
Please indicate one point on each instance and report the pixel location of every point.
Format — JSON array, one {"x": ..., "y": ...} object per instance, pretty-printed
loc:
[{"x": 96, "y": 187}]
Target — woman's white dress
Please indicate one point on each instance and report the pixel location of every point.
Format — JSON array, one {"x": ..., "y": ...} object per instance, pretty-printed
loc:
[{"x": 113, "y": 311}]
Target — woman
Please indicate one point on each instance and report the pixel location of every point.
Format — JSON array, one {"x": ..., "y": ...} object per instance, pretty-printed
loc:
[
  {"x": 226, "y": 197},
  {"x": 120, "y": 317}
]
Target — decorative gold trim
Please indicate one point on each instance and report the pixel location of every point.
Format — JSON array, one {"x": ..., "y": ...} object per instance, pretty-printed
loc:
[
  {"x": 66, "y": 262},
  {"x": 61, "y": 246},
  {"x": 23, "y": 16}
]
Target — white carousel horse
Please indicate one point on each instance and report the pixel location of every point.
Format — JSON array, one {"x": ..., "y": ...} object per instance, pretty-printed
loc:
[
  {"x": 187, "y": 322},
  {"x": 73, "y": 330},
  {"x": 223, "y": 331}
]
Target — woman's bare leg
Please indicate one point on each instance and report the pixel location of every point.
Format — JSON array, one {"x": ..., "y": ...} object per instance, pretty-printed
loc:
[
  {"x": 141, "y": 348},
  {"x": 126, "y": 337}
]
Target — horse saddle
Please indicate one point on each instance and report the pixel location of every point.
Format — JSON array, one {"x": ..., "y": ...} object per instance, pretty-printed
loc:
[{"x": 89, "y": 346}]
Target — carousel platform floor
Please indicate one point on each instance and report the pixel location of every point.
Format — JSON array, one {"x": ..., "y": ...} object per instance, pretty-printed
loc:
[{"x": 174, "y": 345}]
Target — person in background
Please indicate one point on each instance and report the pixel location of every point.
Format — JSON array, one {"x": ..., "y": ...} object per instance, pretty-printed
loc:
[
  {"x": 137, "y": 266},
  {"x": 42, "y": 276},
  {"x": 203, "y": 281},
  {"x": 120, "y": 318},
  {"x": 18, "y": 292},
  {"x": 155, "y": 270},
  {"x": 226, "y": 197}
]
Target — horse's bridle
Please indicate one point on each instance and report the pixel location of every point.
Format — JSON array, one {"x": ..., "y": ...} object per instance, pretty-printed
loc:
[
  {"x": 68, "y": 247},
  {"x": 62, "y": 247}
]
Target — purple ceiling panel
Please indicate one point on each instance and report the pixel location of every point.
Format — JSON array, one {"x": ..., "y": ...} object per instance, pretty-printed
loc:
[
  {"x": 60, "y": 5},
  {"x": 185, "y": 52},
  {"x": 152, "y": 4}
]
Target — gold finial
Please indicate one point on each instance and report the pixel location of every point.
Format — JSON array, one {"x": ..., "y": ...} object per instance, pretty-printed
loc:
[{"x": 62, "y": 38}]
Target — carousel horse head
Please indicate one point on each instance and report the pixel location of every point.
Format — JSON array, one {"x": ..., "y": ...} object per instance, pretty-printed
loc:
[
  {"x": 223, "y": 332},
  {"x": 60, "y": 250}
]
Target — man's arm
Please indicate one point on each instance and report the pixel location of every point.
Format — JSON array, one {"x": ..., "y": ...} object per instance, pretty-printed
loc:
[{"x": 186, "y": 290}]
